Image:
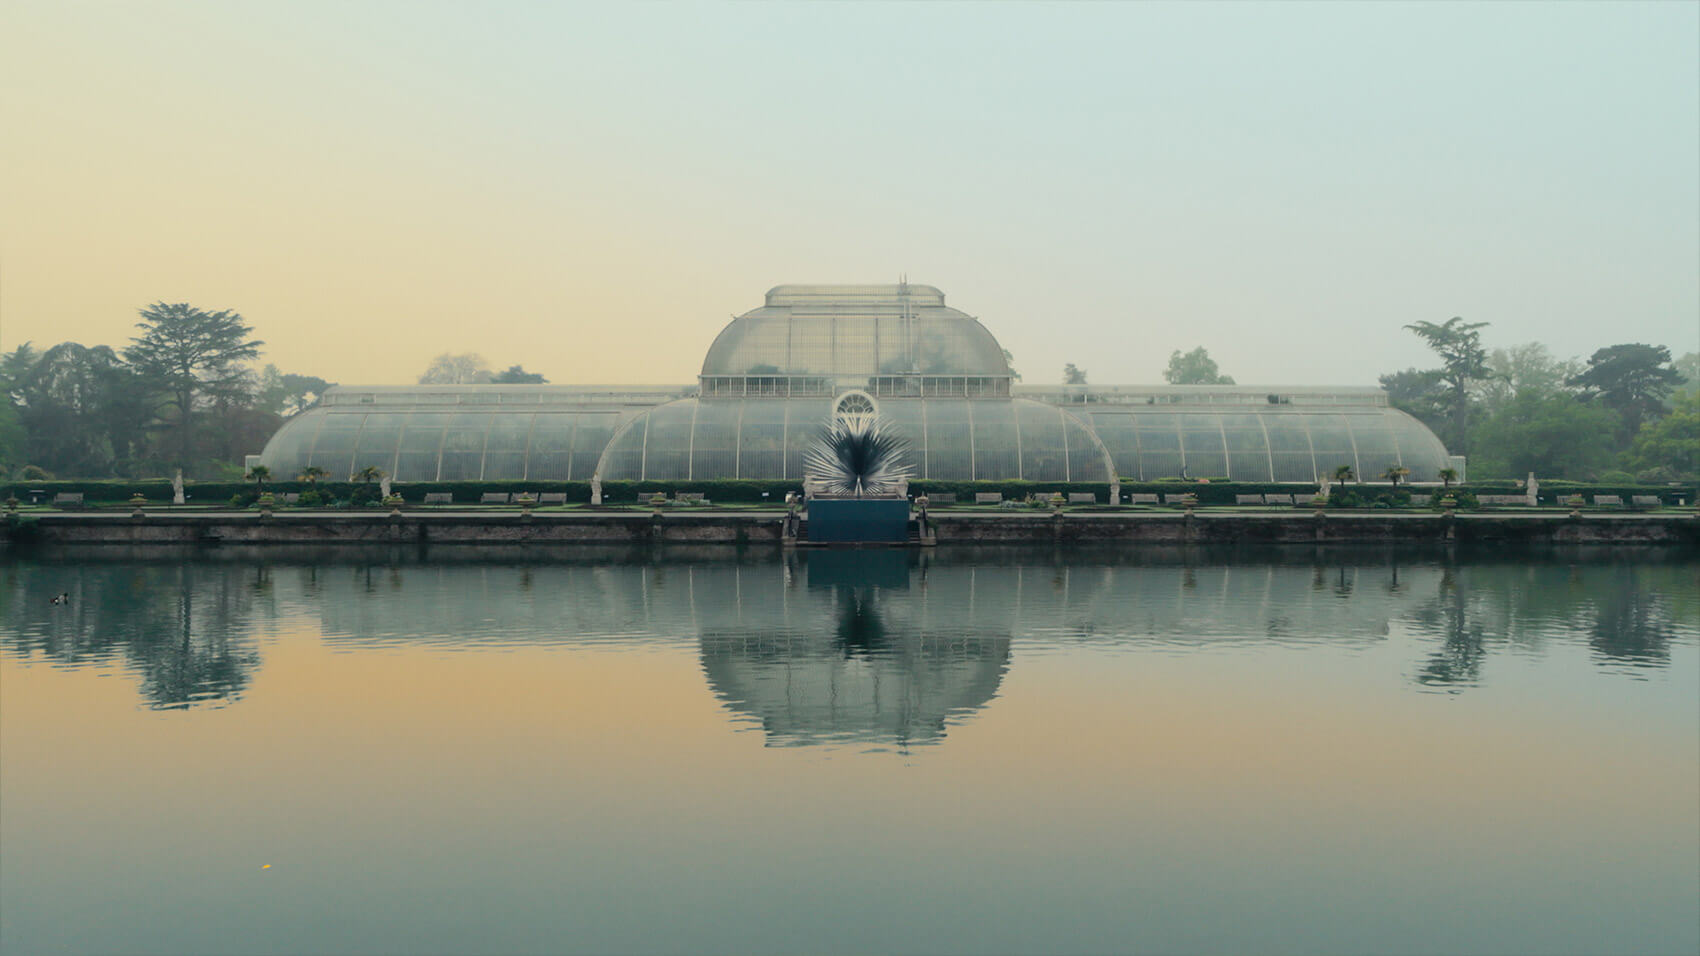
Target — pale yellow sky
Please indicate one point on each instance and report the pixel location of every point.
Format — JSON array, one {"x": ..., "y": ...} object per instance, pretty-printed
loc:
[{"x": 592, "y": 192}]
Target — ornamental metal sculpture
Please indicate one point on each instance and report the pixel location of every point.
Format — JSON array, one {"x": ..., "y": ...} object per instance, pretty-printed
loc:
[{"x": 857, "y": 456}]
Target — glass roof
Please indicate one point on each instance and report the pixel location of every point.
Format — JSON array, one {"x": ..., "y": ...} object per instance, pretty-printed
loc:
[{"x": 849, "y": 333}]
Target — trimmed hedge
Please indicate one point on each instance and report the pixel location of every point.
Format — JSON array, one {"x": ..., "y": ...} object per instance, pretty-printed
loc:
[{"x": 220, "y": 493}]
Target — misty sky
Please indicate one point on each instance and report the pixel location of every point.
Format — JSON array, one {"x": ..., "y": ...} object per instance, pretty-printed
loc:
[{"x": 592, "y": 190}]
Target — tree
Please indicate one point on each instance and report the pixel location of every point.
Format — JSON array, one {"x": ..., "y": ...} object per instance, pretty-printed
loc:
[
  {"x": 368, "y": 474},
  {"x": 467, "y": 368},
  {"x": 15, "y": 368},
  {"x": 300, "y": 391},
  {"x": 1194, "y": 368},
  {"x": 1447, "y": 476},
  {"x": 1688, "y": 367},
  {"x": 1670, "y": 447},
  {"x": 191, "y": 355},
  {"x": 261, "y": 474},
  {"x": 1396, "y": 474},
  {"x": 1344, "y": 474},
  {"x": 82, "y": 409},
  {"x": 515, "y": 375},
  {"x": 1463, "y": 361},
  {"x": 1419, "y": 392},
  {"x": 1549, "y": 434},
  {"x": 1521, "y": 368},
  {"x": 1073, "y": 375},
  {"x": 312, "y": 473},
  {"x": 1632, "y": 379},
  {"x": 1009, "y": 360}
]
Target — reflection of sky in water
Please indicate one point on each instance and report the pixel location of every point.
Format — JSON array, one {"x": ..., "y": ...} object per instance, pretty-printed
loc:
[{"x": 992, "y": 750}]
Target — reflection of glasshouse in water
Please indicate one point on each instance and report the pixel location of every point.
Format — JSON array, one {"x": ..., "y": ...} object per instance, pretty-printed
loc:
[
  {"x": 774, "y": 374},
  {"x": 812, "y": 652}
]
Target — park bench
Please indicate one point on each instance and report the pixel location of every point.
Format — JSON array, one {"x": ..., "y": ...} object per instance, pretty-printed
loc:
[
  {"x": 552, "y": 498},
  {"x": 1645, "y": 501},
  {"x": 690, "y": 498},
  {"x": 1178, "y": 499},
  {"x": 439, "y": 498},
  {"x": 1248, "y": 499},
  {"x": 289, "y": 498},
  {"x": 941, "y": 498},
  {"x": 1502, "y": 499},
  {"x": 645, "y": 497},
  {"x": 1279, "y": 499},
  {"x": 1082, "y": 498},
  {"x": 1144, "y": 499},
  {"x": 1603, "y": 501},
  {"x": 68, "y": 499},
  {"x": 988, "y": 497},
  {"x": 493, "y": 498}
]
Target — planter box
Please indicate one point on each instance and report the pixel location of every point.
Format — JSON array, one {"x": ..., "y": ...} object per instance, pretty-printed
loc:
[{"x": 858, "y": 520}]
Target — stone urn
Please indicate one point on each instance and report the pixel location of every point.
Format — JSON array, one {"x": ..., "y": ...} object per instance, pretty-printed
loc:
[
  {"x": 12, "y": 504},
  {"x": 136, "y": 503},
  {"x": 393, "y": 502},
  {"x": 267, "y": 502},
  {"x": 526, "y": 503}
]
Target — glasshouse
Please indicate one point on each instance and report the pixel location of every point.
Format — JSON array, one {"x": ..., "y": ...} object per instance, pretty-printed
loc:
[{"x": 774, "y": 376}]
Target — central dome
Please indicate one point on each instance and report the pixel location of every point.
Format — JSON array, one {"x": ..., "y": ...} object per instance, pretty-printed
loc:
[{"x": 845, "y": 336}]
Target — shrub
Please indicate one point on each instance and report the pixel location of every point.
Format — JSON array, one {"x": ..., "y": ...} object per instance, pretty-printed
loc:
[{"x": 34, "y": 473}]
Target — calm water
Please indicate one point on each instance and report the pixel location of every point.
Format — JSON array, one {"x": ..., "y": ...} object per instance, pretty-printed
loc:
[{"x": 984, "y": 751}]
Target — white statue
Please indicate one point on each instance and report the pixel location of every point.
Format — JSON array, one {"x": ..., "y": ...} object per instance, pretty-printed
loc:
[
  {"x": 903, "y": 488},
  {"x": 384, "y": 486},
  {"x": 177, "y": 488},
  {"x": 596, "y": 488},
  {"x": 1115, "y": 491},
  {"x": 1532, "y": 488}
]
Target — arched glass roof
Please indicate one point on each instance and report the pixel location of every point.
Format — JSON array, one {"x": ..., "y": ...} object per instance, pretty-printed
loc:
[
  {"x": 1263, "y": 443},
  {"x": 848, "y": 334},
  {"x": 950, "y": 439},
  {"x": 445, "y": 444}
]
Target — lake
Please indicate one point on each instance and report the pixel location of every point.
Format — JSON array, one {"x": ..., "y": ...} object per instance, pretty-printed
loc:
[{"x": 979, "y": 750}]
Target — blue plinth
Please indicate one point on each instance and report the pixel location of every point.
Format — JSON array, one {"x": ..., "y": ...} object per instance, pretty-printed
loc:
[{"x": 858, "y": 520}]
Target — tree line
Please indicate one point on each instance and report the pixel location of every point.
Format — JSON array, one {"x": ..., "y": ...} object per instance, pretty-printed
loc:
[
  {"x": 184, "y": 393},
  {"x": 1629, "y": 412}
]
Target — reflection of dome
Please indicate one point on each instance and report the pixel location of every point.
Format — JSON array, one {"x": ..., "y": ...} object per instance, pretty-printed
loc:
[{"x": 807, "y": 687}]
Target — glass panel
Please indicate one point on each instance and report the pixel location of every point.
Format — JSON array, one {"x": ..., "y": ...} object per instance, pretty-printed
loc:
[
  {"x": 590, "y": 442},
  {"x": 949, "y": 446},
  {"x": 761, "y": 441},
  {"x": 1291, "y": 466},
  {"x": 334, "y": 449},
  {"x": 1287, "y": 433},
  {"x": 1201, "y": 443},
  {"x": 463, "y": 447},
  {"x": 550, "y": 451},
  {"x": 666, "y": 454},
  {"x": 853, "y": 345},
  {"x": 995, "y": 440},
  {"x": 378, "y": 441},
  {"x": 811, "y": 347},
  {"x": 286, "y": 453},
  {"x": 1333, "y": 443},
  {"x": 714, "y": 446},
  {"x": 906, "y": 420},
  {"x": 504, "y": 452},
  {"x": 1044, "y": 444},
  {"x": 1377, "y": 451},
  {"x": 801, "y": 429},
  {"x": 623, "y": 460},
  {"x": 1116, "y": 431},
  {"x": 420, "y": 443}
]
